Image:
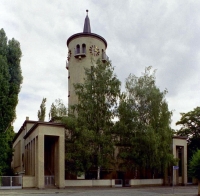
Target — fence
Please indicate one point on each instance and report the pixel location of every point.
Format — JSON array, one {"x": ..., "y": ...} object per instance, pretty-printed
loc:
[
  {"x": 118, "y": 182},
  {"x": 127, "y": 182},
  {"x": 10, "y": 182},
  {"x": 49, "y": 180}
]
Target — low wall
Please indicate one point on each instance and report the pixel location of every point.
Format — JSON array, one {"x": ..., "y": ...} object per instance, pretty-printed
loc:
[
  {"x": 103, "y": 182},
  {"x": 142, "y": 182},
  {"x": 112, "y": 183},
  {"x": 28, "y": 181},
  {"x": 89, "y": 183}
]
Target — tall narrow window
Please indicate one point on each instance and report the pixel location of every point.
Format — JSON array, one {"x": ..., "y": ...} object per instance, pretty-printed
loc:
[
  {"x": 103, "y": 54},
  {"x": 78, "y": 49},
  {"x": 83, "y": 48}
]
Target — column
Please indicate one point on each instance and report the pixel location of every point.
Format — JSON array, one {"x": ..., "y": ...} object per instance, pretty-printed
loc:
[
  {"x": 185, "y": 164},
  {"x": 61, "y": 162},
  {"x": 40, "y": 162}
]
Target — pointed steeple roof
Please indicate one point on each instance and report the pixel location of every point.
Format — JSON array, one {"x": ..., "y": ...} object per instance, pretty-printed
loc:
[
  {"x": 86, "y": 32},
  {"x": 86, "y": 28}
]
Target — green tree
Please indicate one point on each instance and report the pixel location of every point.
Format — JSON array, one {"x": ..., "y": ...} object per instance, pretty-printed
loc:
[
  {"x": 58, "y": 109},
  {"x": 190, "y": 127},
  {"x": 143, "y": 130},
  {"x": 9, "y": 136},
  {"x": 10, "y": 84},
  {"x": 194, "y": 168},
  {"x": 42, "y": 111},
  {"x": 78, "y": 147},
  {"x": 95, "y": 110}
]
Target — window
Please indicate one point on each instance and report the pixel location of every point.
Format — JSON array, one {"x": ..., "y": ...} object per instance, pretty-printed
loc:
[
  {"x": 78, "y": 49},
  {"x": 104, "y": 56},
  {"x": 83, "y": 48}
]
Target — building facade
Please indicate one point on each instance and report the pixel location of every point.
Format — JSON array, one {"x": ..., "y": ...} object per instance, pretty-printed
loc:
[{"x": 39, "y": 152}]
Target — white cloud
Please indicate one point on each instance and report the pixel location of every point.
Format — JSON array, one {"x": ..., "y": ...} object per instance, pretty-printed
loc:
[{"x": 164, "y": 34}]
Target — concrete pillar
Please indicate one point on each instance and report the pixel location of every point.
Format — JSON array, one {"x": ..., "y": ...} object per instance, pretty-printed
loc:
[
  {"x": 61, "y": 162},
  {"x": 31, "y": 160},
  {"x": 185, "y": 164},
  {"x": 40, "y": 162}
]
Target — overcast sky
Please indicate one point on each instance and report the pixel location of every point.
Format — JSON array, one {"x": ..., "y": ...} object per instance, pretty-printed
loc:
[{"x": 163, "y": 34}]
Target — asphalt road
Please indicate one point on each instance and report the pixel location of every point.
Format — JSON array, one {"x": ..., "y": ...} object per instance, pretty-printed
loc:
[{"x": 143, "y": 191}]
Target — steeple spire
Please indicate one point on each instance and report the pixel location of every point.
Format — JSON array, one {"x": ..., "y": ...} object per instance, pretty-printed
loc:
[{"x": 86, "y": 28}]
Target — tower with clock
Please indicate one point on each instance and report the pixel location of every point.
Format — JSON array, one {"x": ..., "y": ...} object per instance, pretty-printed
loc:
[{"x": 83, "y": 49}]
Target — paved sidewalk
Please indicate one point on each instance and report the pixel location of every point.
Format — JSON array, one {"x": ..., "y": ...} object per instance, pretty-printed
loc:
[{"x": 143, "y": 191}]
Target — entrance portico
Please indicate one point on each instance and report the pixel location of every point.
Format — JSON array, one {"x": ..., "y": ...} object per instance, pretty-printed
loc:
[{"x": 44, "y": 152}]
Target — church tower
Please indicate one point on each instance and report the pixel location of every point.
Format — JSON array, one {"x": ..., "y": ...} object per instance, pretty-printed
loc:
[{"x": 83, "y": 49}]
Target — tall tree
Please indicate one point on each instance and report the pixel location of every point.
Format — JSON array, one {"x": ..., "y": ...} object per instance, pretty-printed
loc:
[
  {"x": 95, "y": 110},
  {"x": 10, "y": 84},
  {"x": 190, "y": 127},
  {"x": 42, "y": 111},
  {"x": 58, "y": 109},
  {"x": 144, "y": 125},
  {"x": 194, "y": 168}
]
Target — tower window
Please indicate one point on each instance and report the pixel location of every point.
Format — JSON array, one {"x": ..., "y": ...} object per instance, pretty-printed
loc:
[
  {"x": 77, "y": 49},
  {"x": 105, "y": 58},
  {"x": 83, "y": 48},
  {"x": 80, "y": 51}
]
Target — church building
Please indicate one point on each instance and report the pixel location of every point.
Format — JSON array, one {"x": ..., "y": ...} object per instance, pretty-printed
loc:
[{"x": 39, "y": 147}]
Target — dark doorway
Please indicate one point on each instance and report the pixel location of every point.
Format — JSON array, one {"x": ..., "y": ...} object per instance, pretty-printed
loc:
[{"x": 50, "y": 162}]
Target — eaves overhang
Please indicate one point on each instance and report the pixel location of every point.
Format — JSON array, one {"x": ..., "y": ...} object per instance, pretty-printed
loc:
[
  {"x": 42, "y": 123},
  {"x": 86, "y": 35}
]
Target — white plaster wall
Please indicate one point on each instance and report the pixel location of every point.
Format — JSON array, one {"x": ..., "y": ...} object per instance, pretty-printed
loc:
[
  {"x": 109, "y": 182},
  {"x": 141, "y": 182}
]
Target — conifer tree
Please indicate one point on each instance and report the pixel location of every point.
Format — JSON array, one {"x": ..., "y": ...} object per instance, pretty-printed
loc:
[
  {"x": 10, "y": 84},
  {"x": 42, "y": 111}
]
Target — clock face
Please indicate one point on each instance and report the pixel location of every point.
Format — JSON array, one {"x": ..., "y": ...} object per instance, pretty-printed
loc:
[
  {"x": 94, "y": 50},
  {"x": 69, "y": 55}
]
